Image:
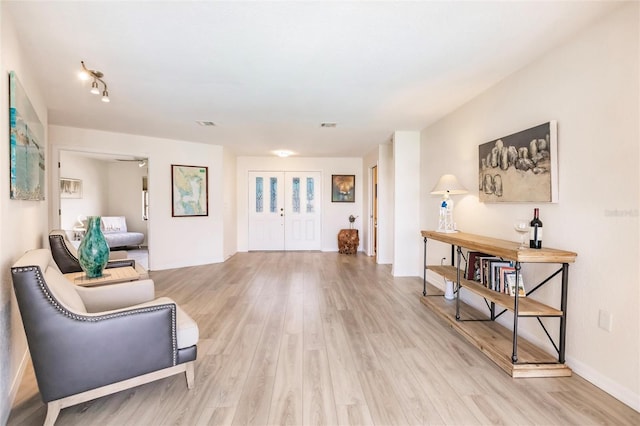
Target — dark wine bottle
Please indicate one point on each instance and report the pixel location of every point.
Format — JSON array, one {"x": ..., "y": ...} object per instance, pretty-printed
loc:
[{"x": 535, "y": 231}]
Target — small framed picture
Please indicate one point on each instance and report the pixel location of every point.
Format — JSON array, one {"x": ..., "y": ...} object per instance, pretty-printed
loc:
[
  {"x": 70, "y": 188},
  {"x": 343, "y": 188},
  {"x": 189, "y": 191}
]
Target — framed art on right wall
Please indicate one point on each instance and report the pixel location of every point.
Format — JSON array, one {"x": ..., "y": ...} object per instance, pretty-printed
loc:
[{"x": 521, "y": 167}]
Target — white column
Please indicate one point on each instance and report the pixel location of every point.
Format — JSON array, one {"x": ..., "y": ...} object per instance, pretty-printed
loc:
[{"x": 407, "y": 243}]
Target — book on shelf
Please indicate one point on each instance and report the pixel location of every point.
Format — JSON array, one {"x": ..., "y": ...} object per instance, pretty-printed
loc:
[
  {"x": 494, "y": 274},
  {"x": 485, "y": 270},
  {"x": 510, "y": 278},
  {"x": 503, "y": 281},
  {"x": 473, "y": 265}
]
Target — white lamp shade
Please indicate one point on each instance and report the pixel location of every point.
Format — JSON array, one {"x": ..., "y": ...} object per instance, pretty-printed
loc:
[{"x": 448, "y": 184}]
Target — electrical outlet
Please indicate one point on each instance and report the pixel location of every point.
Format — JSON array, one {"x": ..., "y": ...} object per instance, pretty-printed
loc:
[{"x": 605, "y": 320}]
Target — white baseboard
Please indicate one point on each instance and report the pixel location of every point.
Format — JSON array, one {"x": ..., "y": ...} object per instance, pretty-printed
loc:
[{"x": 614, "y": 389}]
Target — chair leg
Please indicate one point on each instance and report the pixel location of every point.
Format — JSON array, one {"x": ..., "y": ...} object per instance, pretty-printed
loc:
[
  {"x": 53, "y": 409},
  {"x": 190, "y": 375}
]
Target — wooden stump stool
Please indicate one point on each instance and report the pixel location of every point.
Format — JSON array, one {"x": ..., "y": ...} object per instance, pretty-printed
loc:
[{"x": 348, "y": 241}]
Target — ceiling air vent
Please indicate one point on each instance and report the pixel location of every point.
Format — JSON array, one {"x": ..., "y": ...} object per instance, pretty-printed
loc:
[
  {"x": 328, "y": 124},
  {"x": 206, "y": 123}
]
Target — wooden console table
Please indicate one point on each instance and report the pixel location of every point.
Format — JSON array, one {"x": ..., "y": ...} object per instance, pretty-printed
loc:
[
  {"x": 109, "y": 276},
  {"x": 496, "y": 341}
]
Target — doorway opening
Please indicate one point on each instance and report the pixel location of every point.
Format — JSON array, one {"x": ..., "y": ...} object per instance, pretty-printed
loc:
[
  {"x": 106, "y": 185},
  {"x": 373, "y": 217}
]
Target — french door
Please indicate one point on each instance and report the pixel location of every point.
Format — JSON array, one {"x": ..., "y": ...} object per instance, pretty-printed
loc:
[{"x": 284, "y": 210}]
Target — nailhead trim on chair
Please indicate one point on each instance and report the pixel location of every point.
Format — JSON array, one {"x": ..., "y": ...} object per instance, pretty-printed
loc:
[
  {"x": 45, "y": 290},
  {"x": 64, "y": 245}
]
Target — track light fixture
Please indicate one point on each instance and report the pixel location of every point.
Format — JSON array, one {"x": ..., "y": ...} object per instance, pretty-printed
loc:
[
  {"x": 94, "y": 88},
  {"x": 87, "y": 74}
]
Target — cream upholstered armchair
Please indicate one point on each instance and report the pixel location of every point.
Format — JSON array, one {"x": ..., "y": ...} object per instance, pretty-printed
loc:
[
  {"x": 66, "y": 256},
  {"x": 89, "y": 342}
]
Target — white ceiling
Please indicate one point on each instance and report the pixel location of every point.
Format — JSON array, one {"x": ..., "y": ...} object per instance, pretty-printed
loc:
[{"x": 268, "y": 73}]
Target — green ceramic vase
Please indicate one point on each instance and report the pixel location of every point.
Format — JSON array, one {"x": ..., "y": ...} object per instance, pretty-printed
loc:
[{"x": 93, "y": 252}]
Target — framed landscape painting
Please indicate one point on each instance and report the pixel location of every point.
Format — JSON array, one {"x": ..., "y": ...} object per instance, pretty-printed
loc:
[
  {"x": 189, "y": 191},
  {"x": 343, "y": 188},
  {"x": 522, "y": 167}
]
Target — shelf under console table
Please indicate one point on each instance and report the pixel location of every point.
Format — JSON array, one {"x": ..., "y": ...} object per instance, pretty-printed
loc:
[{"x": 515, "y": 355}]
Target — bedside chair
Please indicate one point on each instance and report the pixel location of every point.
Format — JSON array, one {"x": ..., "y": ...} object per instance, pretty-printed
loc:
[{"x": 86, "y": 343}]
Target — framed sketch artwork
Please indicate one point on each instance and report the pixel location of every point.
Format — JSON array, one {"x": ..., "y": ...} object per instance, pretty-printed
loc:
[
  {"x": 522, "y": 167},
  {"x": 189, "y": 191},
  {"x": 70, "y": 188},
  {"x": 343, "y": 188}
]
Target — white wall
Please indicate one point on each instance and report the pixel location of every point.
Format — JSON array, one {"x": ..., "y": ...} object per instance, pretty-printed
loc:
[
  {"x": 335, "y": 216},
  {"x": 173, "y": 242},
  {"x": 590, "y": 86},
  {"x": 407, "y": 249},
  {"x": 124, "y": 194},
  {"x": 23, "y": 224}
]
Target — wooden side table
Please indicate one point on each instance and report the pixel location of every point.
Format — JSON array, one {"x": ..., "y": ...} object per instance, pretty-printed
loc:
[
  {"x": 348, "y": 241},
  {"x": 109, "y": 276}
]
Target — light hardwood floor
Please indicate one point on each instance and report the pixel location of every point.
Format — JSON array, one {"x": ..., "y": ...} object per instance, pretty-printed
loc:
[{"x": 309, "y": 338}]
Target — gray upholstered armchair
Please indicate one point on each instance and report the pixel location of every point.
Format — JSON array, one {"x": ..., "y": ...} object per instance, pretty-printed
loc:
[
  {"x": 66, "y": 255},
  {"x": 89, "y": 342}
]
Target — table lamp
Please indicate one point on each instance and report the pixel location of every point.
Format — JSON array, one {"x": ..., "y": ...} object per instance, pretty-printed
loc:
[{"x": 447, "y": 185}]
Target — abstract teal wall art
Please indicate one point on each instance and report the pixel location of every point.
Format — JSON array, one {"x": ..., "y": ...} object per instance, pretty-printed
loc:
[{"x": 27, "y": 145}]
